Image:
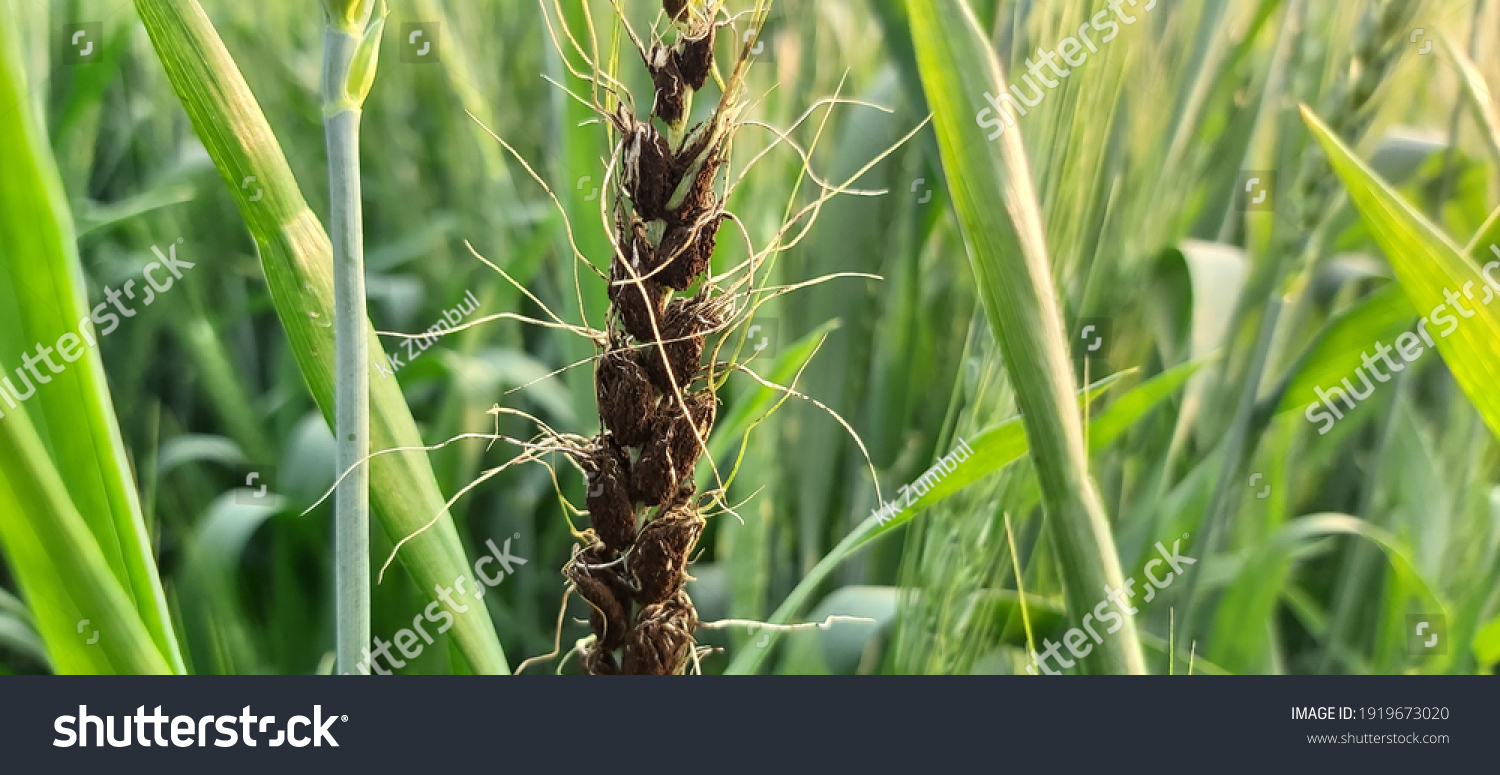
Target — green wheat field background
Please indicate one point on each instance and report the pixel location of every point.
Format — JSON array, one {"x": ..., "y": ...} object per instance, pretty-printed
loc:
[{"x": 1134, "y": 308}]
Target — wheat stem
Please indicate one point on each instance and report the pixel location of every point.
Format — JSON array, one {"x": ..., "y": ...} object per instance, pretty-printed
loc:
[{"x": 345, "y": 79}]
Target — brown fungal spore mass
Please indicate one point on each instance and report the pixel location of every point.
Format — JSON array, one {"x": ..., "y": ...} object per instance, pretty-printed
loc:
[
  {"x": 608, "y": 499},
  {"x": 662, "y": 638},
  {"x": 660, "y": 560},
  {"x": 655, "y": 405},
  {"x": 627, "y": 404},
  {"x": 696, "y": 59},
  {"x": 671, "y": 89},
  {"x": 676, "y": 358},
  {"x": 650, "y": 169}
]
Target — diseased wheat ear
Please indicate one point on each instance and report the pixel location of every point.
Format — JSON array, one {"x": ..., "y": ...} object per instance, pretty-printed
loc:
[
  {"x": 656, "y": 398},
  {"x": 655, "y": 408}
]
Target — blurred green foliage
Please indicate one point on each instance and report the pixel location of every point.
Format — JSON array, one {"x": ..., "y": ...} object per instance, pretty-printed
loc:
[{"x": 1136, "y": 158}]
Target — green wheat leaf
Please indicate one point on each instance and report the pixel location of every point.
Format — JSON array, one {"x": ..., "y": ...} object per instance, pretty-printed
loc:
[
  {"x": 297, "y": 260},
  {"x": 989, "y": 178},
  {"x": 1440, "y": 281},
  {"x": 70, "y": 519},
  {"x": 994, "y": 448}
]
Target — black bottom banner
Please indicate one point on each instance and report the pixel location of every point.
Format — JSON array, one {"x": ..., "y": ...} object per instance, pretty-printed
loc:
[{"x": 916, "y": 724}]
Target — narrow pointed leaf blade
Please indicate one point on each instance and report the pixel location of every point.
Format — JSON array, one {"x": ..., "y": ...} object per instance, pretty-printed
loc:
[
  {"x": 995, "y": 447},
  {"x": 1441, "y": 282},
  {"x": 989, "y": 177},
  {"x": 63, "y": 397},
  {"x": 297, "y": 260}
]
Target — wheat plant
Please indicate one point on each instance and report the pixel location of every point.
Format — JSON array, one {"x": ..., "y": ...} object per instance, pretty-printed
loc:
[{"x": 736, "y": 281}]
